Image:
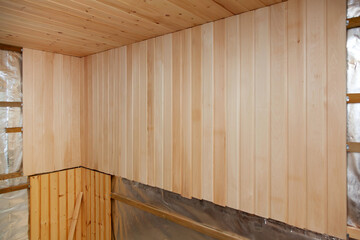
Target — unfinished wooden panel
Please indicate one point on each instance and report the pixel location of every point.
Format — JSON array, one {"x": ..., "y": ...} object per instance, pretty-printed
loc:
[
  {"x": 51, "y": 111},
  {"x": 336, "y": 112},
  {"x": 64, "y": 27},
  {"x": 52, "y": 200},
  {"x": 235, "y": 112},
  {"x": 262, "y": 112},
  {"x": 297, "y": 112}
]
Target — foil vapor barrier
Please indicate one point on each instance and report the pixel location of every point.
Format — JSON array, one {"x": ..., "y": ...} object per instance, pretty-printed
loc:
[
  {"x": 14, "y": 209},
  {"x": 131, "y": 223},
  {"x": 353, "y": 117}
]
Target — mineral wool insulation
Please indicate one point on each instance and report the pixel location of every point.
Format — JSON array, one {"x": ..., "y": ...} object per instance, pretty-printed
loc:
[{"x": 14, "y": 207}]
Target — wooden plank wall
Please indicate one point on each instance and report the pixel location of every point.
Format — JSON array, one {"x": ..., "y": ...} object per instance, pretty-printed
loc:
[
  {"x": 51, "y": 111},
  {"x": 247, "y": 112},
  {"x": 52, "y": 202}
]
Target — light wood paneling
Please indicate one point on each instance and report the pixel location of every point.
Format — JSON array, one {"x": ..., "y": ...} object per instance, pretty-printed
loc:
[
  {"x": 238, "y": 112},
  {"x": 52, "y": 200},
  {"x": 80, "y": 28},
  {"x": 51, "y": 111}
]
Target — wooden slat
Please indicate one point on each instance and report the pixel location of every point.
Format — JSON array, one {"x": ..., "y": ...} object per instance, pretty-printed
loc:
[
  {"x": 78, "y": 189},
  {"x": 129, "y": 111},
  {"x": 353, "y": 22},
  {"x": 186, "y": 222},
  {"x": 10, "y": 175},
  {"x": 75, "y": 215},
  {"x": 45, "y": 207},
  {"x": 136, "y": 110},
  {"x": 35, "y": 209},
  {"x": 353, "y": 98},
  {"x": 54, "y": 205},
  {"x": 353, "y": 232},
  {"x": 97, "y": 218},
  {"x": 13, "y": 130},
  {"x": 70, "y": 192},
  {"x": 353, "y": 147},
  {"x": 14, "y": 188},
  {"x": 102, "y": 206},
  {"x": 150, "y": 112},
  {"x": 297, "y": 112},
  {"x": 63, "y": 233},
  {"x": 10, "y": 104},
  {"x": 336, "y": 133},
  {"x": 107, "y": 221}
]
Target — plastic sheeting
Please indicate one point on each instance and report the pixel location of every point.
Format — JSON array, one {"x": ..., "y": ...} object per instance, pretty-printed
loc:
[
  {"x": 132, "y": 223},
  {"x": 14, "y": 209},
  {"x": 353, "y": 8}
]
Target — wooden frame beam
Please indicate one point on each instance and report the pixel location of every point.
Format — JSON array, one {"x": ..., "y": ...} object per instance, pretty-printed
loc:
[
  {"x": 353, "y": 232},
  {"x": 13, "y": 130},
  {"x": 10, "y": 48},
  {"x": 353, "y": 147},
  {"x": 10, "y": 175},
  {"x": 176, "y": 218},
  {"x": 353, "y": 22},
  {"x": 353, "y": 98},
  {"x": 10, "y": 104},
  {"x": 14, "y": 188}
]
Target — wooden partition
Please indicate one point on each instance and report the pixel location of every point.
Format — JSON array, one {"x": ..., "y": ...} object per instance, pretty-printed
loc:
[
  {"x": 52, "y": 202},
  {"x": 247, "y": 112},
  {"x": 51, "y": 111}
]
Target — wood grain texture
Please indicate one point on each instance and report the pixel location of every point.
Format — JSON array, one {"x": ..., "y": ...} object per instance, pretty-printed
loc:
[
  {"x": 51, "y": 111},
  {"x": 237, "y": 112},
  {"x": 81, "y": 28},
  {"x": 53, "y": 198}
]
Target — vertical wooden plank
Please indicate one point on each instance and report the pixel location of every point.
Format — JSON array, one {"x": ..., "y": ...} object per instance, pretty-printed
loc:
[
  {"x": 97, "y": 206},
  {"x": 297, "y": 112},
  {"x": 70, "y": 195},
  {"x": 28, "y": 88},
  {"x": 54, "y": 205},
  {"x": 168, "y": 147},
  {"x": 186, "y": 151},
  {"x": 123, "y": 112},
  {"x": 176, "y": 111},
  {"x": 262, "y": 112},
  {"x": 159, "y": 112},
  {"x": 279, "y": 106},
  {"x": 66, "y": 116},
  {"x": 336, "y": 132},
  {"x": 93, "y": 219},
  {"x": 85, "y": 207},
  {"x": 150, "y": 112},
  {"x": 112, "y": 114},
  {"x": 143, "y": 112},
  {"x": 220, "y": 185},
  {"x": 107, "y": 207},
  {"x": 89, "y": 204},
  {"x": 129, "y": 112},
  {"x": 207, "y": 58},
  {"x": 105, "y": 112},
  {"x": 63, "y": 229},
  {"x": 232, "y": 110},
  {"x": 45, "y": 207},
  {"x": 101, "y": 205},
  {"x": 78, "y": 189},
  {"x": 247, "y": 112},
  {"x": 316, "y": 116},
  {"x": 136, "y": 110},
  {"x": 35, "y": 210},
  {"x": 196, "y": 112}
]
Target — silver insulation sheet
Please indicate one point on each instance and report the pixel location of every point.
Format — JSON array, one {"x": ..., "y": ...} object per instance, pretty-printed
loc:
[
  {"x": 131, "y": 223},
  {"x": 14, "y": 209},
  {"x": 353, "y": 117}
]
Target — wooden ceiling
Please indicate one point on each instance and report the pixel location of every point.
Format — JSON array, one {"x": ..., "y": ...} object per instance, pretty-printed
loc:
[{"x": 84, "y": 27}]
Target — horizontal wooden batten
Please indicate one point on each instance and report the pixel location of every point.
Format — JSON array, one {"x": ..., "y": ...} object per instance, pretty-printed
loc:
[
  {"x": 353, "y": 232},
  {"x": 353, "y": 147},
  {"x": 13, "y": 130},
  {"x": 10, "y": 48},
  {"x": 353, "y": 98},
  {"x": 10, "y": 104},
  {"x": 10, "y": 175},
  {"x": 176, "y": 218},
  {"x": 353, "y": 23},
  {"x": 14, "y": 188}
]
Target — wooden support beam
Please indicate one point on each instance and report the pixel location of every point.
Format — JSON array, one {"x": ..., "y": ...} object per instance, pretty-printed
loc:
[
  {"x": 353, "y": 232},
  {"x": 10, "y": 48},
  {"x": 353, "y": 147},
  {"x": 10, "y": 104},
  {"x": 13, "y": 130},
  {"x": 14, "y": 188},
  {"x": 353, "y": 22},
  {"x": 176, "y": 218},
  {"x": 353, "y": 98},
  {"x": 75, "y": 216},
  {"x": 10, "y": 175}
]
